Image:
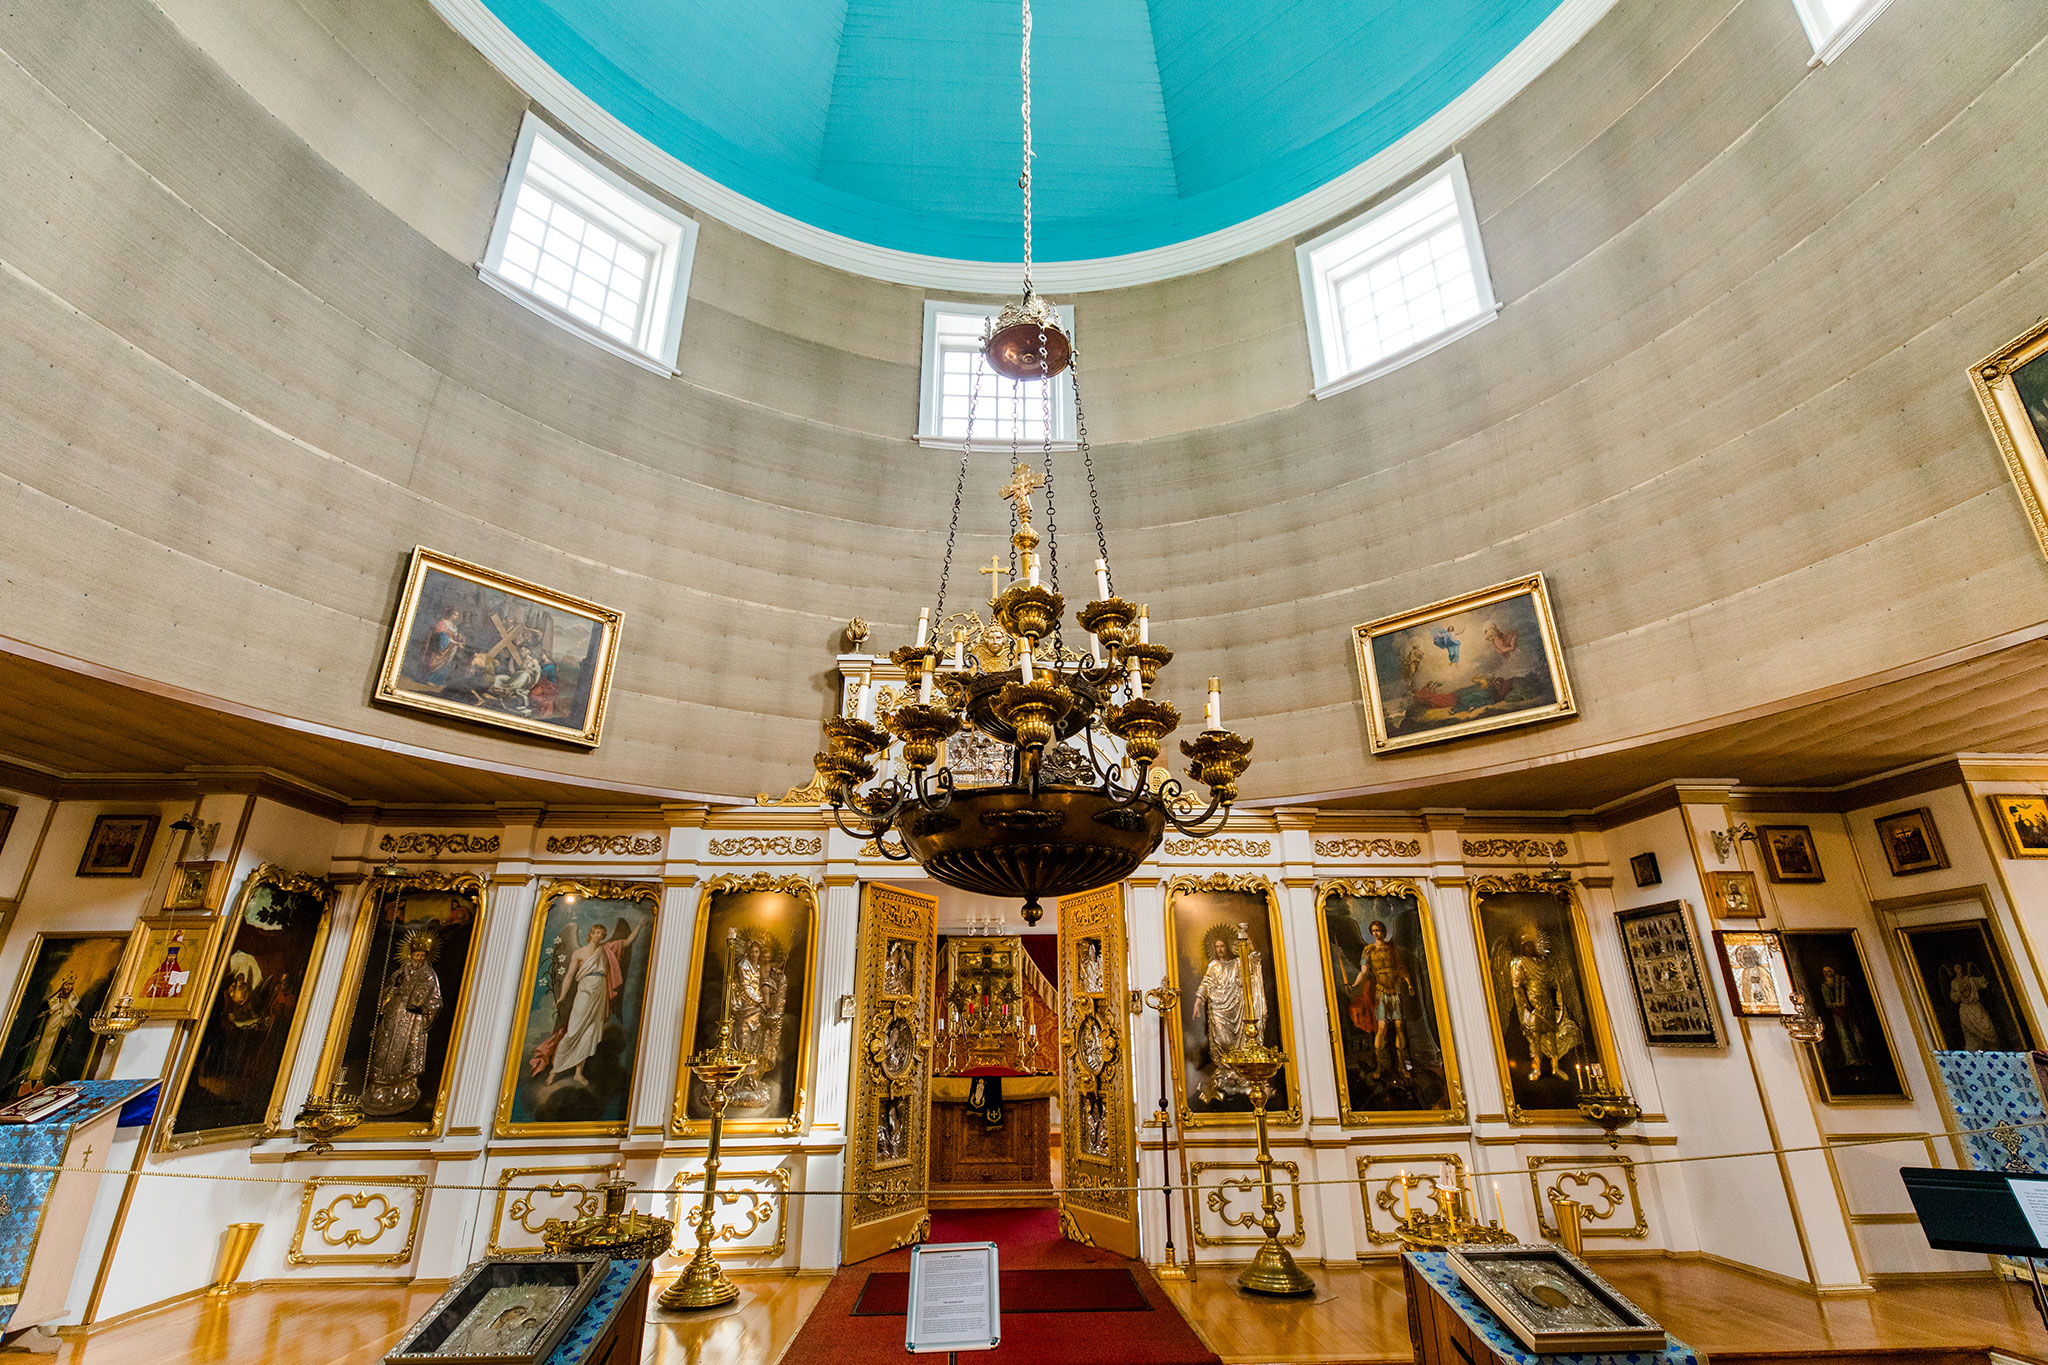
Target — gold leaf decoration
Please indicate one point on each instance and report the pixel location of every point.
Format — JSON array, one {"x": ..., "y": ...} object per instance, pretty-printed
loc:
[
  {"x": 1368, "y": 848},
  {"x": 637, "y": 845}
]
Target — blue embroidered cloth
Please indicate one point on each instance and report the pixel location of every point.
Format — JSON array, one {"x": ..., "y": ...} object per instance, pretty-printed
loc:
[
  {"x": 597, "y": 1315},
  {"x": 1987, "y": 1088},
  {"x": 23, "y": 1193},
  {"x": 1435, "y": 1267}
]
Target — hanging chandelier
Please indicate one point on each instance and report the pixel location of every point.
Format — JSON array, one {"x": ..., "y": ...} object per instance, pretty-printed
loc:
[{"x": 1027, "y": 767}]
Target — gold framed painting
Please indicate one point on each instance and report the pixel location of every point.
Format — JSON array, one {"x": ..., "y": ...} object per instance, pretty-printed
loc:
[
  {"x": 201, "y": 886},
  {"x": 1548, "y": 1012},
  {"x": 47, "y": 1037},
  {"x": 1753, "y": 965},
  {"x": 1910, "y": 842},
  {"x": 1203, "y": 916},
  {"x": 231, "y": 1083},
  {"x": 478, "y": 645},
  {"x": 1733, "y": 895},
  {"x": 1789, "y": 853},
  {"x": 1965, "y": 987},
  {"x": 404, "y": 999},
  {"x": 1669, "y": 975},
  {"x": 2012, "y": 387},
  {"x": 1389, "y": 1021},
  {"x": 576, "y": 1037},
  {"x": 1465, "y": 666},
  {"x": 756, "y": 943},
  {"x": 165, "y": 974},
  {"x": 2023, "y": 820},
  {"x": 118, "y": 846},
  {"x": 1855, "y": 1061}
]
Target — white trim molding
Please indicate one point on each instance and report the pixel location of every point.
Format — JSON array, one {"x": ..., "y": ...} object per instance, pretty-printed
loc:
[{"x": 1427, "y": 141}]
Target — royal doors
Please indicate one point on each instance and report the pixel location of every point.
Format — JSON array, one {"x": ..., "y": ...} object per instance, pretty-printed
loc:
[
  {"x": 888, "y": 1128},
  {"x": 1098, "y": 1201}
]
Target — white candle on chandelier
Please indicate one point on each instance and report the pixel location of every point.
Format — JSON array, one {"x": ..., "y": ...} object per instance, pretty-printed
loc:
[
  {"x": 924, "y": 688},
  {"x": 1212, "y": 710},
  {"x": 1102, "y": 579},
  {"x": 1024, "y": 660},
  {"x": 1137, "y": 681},
  {"x": 924, "y": 625},
  {"x": 1144, "y": 625},
  {"x": 1031, "y": 568},
  {"x": 960, "y": 648},
  {"x": 1095, "y": 648},
  {"x": 864, "y": 704}
]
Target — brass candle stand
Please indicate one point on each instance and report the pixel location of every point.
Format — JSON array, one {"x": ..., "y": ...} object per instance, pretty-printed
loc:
[
  {"x": 1272, "y": 1270},
  {"x": 1452, "y": 1224},
  {"x": 703, "y": 1283},
  {"x": 1163, "y": 999},
  {"x": 117, "y": 1019},
  {"x": 324, "y": 1118},
  {"x": 1606, "y": 1106},
  {"x": 622, "y": 1233}
]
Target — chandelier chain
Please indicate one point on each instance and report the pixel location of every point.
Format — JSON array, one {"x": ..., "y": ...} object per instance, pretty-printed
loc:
[
  {"x": 1088, "y": 464},
  {"x": 1024, "y": 180},
  {"x": 1052, "y": 532},
  {"x": 959, "y": 486}
]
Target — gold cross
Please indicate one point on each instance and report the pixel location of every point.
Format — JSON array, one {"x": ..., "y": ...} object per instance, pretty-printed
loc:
[
  {"x": 1023, "y": 479},
  {"x": 85, "y": 1159},
  {"x": 998, "y": 568}
]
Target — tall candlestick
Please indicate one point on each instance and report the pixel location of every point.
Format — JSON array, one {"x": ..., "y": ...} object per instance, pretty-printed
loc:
[
  {"x": 924, "y": 625},
  {"x": 1406, "y": 1211},
  {"x": 1101, "y": 579},
  {"x": 1144, "y": 625}
]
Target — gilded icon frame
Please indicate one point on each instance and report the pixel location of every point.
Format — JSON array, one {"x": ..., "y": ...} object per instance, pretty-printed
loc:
[
  {"x": 1254, "y": 884},
  {"x": 145, "y": 844},
  {"x": 2001, "y": 962},
  {"x": 1919, "y": 819},
  {"x": 354, "y": 971},
  {"x": 205, "y": 933},
  {"x": 1904, "y": 1095},
  {"x": 423, "y": 561},
  {"x": 1798, "y": 836},
  {"x": 805, "y": 892},
  {"x": 2006, "y": 809},
  {"x": 1679, "y": 911},
  {"x": 199, "y": 885},
  {"x": 97, "y": 1049},
  {"x": 1534, "y": 587},
  {"x": 1598, "y": 1022},
  {"x": 1773, "y": 964},
  {"x": 2019, "y": 440},
  {"x": 1720, "y": 903},
  {"x": 1453, "y": 1109},
  {"x": 591, "y": 888},
  {"x": 169, "y": 1139}
]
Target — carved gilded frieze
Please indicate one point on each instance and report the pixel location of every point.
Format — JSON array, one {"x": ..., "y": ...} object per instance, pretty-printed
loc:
[{"x": 347, "y": 1220}]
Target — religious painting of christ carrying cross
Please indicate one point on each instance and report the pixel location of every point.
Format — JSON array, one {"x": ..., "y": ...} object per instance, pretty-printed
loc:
[{"x": 482, "y": 646}]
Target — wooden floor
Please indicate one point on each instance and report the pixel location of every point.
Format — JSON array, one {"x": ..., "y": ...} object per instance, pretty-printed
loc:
[{"x": 1358, "y": 1315}]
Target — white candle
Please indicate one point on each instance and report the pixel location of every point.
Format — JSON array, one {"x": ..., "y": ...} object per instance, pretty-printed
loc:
[
  {"x": 1213, "y": 711},
  {"x": 1102, "y": 579},
  {"x": 1095, "y": 647},
  {"x": 960, "y": 649},
  {"x": 1031, "y": 567},
  {"x": 1500, "y": 1216},
  {"x": 864, "y": 706},
  {"x": 1137, "y": 681},
  {"x": 924, "y": 688},
  {"x": 1144, "y": 625},
  {"x": 1025, "y": 660},
  {"x": 924, "y": 625}
]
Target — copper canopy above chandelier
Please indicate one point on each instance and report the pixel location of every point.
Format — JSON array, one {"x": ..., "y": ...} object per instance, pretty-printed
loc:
[{"x": 1084, "y": 800}]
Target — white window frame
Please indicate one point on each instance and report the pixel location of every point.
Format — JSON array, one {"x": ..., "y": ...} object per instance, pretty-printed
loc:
[
  {"x": 626, "y": 210},
  {"x": 928, "y": 395},
  {"x": 1319, "y": 299},
  {"x": 1829, "y": 38}
]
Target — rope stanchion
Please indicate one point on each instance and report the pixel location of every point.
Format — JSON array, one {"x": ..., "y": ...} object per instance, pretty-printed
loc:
[{"x": 1847, "y": 1141}]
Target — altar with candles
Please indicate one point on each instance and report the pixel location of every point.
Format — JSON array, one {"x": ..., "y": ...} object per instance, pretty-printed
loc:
[{"x": 995, "y": 1064}]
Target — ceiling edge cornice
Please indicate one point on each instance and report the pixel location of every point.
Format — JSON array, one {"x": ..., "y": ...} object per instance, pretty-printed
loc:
[{"x": 1424, "y": 143}]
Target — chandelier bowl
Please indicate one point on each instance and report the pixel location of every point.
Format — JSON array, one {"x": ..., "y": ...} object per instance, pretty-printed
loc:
[
  {"x": 1012, "y": 350},
  {"x": 1010, "y": 841}
]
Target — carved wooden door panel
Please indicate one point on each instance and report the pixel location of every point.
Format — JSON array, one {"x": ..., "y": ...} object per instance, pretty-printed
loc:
[
  {"x": 889, "y": 1114},
  {"x": 1098, "y": 1161}
]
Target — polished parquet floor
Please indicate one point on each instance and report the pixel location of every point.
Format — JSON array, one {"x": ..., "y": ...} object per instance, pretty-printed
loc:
[{"x": 1358, "y": 1315}]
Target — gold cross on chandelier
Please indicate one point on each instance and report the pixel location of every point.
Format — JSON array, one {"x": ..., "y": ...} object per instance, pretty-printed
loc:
[{"x": 1023, "y": 479}]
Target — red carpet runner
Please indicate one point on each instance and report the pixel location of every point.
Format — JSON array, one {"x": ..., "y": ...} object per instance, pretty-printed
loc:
[{"x": 1029, "y": 1240}]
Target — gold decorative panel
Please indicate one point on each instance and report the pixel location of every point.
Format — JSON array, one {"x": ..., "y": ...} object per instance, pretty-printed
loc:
[
  {"x": 1099, "y": 1152},
  {"x": 1606, "y": 1187},
  {"x": 888, "y": 1113},
  {"x": 1234, "y": 1202},
  {"x": 344, "y": 1220},
  {"x": 1379, "y": 1188},
  {"x": 1368, "y": 848},
  {"x": 745, "y": 1203},
  {"x": 528, "y": 1196}
]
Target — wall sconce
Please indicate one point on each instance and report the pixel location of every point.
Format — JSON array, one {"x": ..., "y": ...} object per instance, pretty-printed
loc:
[
  {"x": 204, "y": 831},
  {"x": 1725, "y": 840}
]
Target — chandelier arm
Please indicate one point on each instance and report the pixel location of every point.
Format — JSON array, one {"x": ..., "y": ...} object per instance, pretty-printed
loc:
[
  {"x": 875, "y": 832},
  {"x": 1192, "y": 826},
  {"x": 926, "y": 800}
]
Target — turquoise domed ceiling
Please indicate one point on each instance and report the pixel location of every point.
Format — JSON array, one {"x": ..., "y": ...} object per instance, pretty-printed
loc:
[{"x": 895, "y": 122}]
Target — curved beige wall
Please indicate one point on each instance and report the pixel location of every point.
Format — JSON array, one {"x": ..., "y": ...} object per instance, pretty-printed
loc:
[{"x": 246, "y": 364}]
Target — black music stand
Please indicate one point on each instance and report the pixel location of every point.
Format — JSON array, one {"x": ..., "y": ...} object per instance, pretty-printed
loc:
[{"x": 1993, "y": 1212}]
